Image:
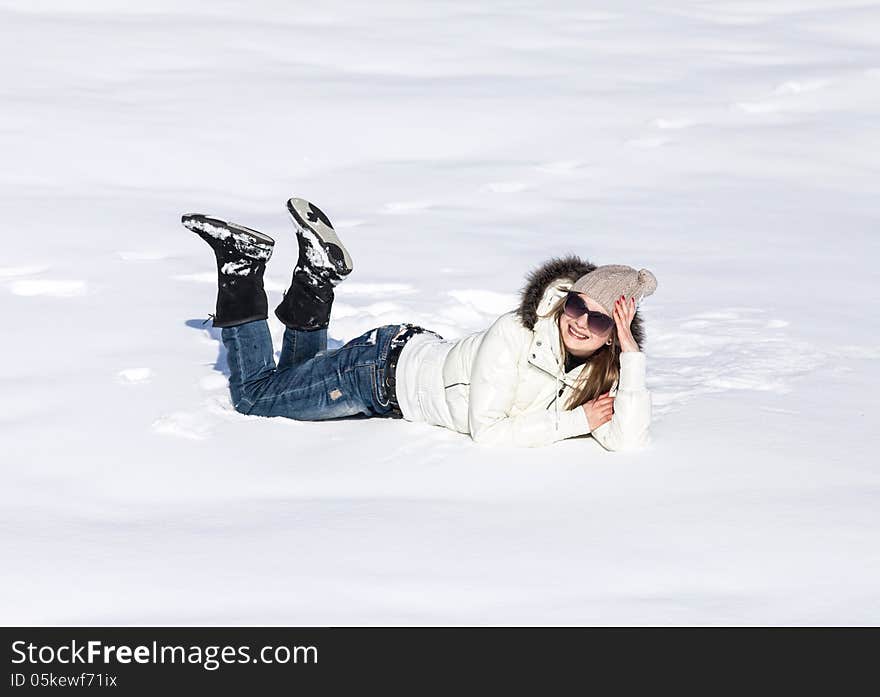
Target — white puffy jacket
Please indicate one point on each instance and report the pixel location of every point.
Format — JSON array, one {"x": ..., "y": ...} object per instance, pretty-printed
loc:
[{"x": 507, "y": 385}]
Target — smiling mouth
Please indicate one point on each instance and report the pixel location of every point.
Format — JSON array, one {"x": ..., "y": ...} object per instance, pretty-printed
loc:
[{"x": 576, "y": 335}]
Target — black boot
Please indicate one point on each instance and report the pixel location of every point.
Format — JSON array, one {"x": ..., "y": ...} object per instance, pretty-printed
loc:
[
  {"x": 323, "y": 263},
  {"x": 241, "y": 254}
]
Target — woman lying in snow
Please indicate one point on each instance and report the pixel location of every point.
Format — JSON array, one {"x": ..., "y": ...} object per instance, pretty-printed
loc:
[{"x": 566, "y": 363}]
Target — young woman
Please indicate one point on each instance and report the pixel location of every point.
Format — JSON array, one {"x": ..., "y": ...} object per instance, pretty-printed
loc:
[{"x": 565, "y": 363}]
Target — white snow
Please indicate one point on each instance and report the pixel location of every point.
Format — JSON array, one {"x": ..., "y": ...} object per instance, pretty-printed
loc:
[
  {"x": 57, "y": 289},
  {"x": 134, "y": 376},
  {"x": 373, "y": 289},
  {"x": 237, "y": 268},
  {"x": 315, "y": 253},
  {"x": 16, "y": 271},
  {"x": 730, "y": 147},
  {"x": 219, "y": 233},
  {"x": 141, "y": 255}
]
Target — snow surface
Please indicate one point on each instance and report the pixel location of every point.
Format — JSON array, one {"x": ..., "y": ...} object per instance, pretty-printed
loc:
[{"x": 730, "y": 147}]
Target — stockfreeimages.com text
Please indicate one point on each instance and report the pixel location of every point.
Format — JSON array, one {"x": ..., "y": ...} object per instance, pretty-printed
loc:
[{"x": 209, "y": 657}]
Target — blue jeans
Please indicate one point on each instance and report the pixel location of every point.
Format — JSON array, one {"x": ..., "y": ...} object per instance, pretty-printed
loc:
[{"x": 309, "y": 383}]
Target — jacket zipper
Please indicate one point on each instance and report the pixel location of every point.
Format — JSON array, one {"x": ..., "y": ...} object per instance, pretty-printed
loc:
[{"x": 561, "y": 390}]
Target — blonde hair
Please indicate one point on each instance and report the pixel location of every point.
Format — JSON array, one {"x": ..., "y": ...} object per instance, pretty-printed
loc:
[{"x": 602, "y": 368}]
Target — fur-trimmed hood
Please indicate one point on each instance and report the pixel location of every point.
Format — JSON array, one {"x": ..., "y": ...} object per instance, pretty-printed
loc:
[{"x": 545, "y": 284}]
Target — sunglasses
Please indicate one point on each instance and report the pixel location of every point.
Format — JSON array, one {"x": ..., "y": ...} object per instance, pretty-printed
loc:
[{"x": 575, "y": 307}]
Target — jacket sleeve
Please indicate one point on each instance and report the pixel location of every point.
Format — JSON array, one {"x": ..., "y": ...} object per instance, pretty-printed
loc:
[
  {"x": 494, "y": 377},
  {"x": 629, "y": 425}
]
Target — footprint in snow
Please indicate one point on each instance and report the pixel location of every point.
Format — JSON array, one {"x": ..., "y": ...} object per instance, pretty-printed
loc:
[
  {"x": 199, "y": 424},
  {"x": 191, "y": 425},
  {"x": 722, "y": 350},
  {"x": 134, "y": 376},
  {"x": 18, "y": 283}
]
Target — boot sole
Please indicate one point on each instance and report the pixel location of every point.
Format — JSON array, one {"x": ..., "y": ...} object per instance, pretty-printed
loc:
[
  {"x": 251, "y": 243},
  {"x": 302, "y": 212}
]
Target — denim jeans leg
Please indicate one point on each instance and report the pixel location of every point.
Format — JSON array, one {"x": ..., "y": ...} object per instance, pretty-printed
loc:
[
  {"x": 299, "y": 346},
  {"x": 251, "y": 360},
  {"x": 347, "y": 381}
]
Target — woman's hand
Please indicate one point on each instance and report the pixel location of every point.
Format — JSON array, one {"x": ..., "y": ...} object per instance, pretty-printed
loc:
[
  {"x": 599, "y": 410},
  {"x": 624, "y": 311}
]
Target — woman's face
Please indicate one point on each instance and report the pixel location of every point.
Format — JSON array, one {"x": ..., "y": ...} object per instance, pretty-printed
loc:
[{"x": 578, "y": 338}]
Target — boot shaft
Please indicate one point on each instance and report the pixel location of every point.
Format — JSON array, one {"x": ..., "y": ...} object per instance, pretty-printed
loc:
[
  {"x": 306, "y": 306},
  {"x": 241, "y": 254}
]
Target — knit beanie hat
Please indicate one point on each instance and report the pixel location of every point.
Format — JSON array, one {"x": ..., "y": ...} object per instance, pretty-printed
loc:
[{"x": 605, "y": 284}]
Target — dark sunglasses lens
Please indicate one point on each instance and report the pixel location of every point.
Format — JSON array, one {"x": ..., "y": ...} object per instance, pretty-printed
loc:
[
  {"x": 599, "y": 323},
  {"x": 574, "y": 306}
]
